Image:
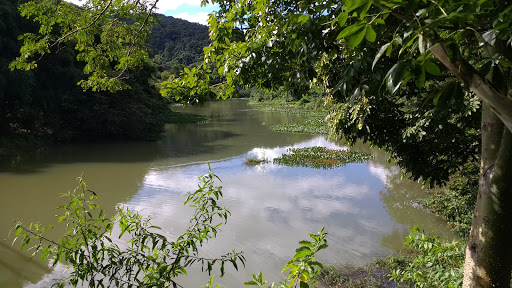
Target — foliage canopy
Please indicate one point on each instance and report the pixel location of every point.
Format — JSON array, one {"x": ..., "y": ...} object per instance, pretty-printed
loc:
[{"x": 408, "y": 104}]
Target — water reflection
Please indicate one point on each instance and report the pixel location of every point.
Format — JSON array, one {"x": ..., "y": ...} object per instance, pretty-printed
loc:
[
  {"x": 273, "y": 207},
  {"x": 365, "y": 207}
]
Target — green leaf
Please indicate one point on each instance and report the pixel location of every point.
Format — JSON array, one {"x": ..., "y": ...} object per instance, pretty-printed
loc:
[
  {"x": 349, "y": 30},
  {"x": 305, "y": 242},
  {"x": 251, "y": 283},
  {"x": 370, "y": 34},
  {"x": 303, "y": 248},
  {"x": 356, "y": 38},
  {"x": 388, "y": 51},
  {"x": 342, "y": 19},
  {"x": 288, "y": 266},
  {"x": 380, "y": 53},
  {"x": 396, "y": 76},
  {"x": 432, "y": 68},
  {"x": 448, "y": 91},
  {"x": 315, "y": 263},
  {"x": 304, "y": 18},
  {"x": 19, "y": 229},
  {"x": 365, "y": 10},
  {"x": 353, "y": 4},
  {"x": 420, "y": 82},
  {"x": 304, "y": 284}
]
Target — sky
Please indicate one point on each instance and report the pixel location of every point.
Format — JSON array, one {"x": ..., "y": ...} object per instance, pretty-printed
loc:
[{"x": 189, "y": 10}]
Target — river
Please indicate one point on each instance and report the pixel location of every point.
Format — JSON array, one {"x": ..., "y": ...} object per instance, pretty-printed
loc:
[{"x": 366, "y": 208}]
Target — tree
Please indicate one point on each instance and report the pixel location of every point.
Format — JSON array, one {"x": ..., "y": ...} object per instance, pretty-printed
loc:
[
  {"x": 45, "y": 104},
  {"x": 412, "y": 90},
  {"x": 109, "y": 36}
]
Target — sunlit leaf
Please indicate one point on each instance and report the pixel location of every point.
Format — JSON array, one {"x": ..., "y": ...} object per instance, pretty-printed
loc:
[{"x": 356, "y": 38}]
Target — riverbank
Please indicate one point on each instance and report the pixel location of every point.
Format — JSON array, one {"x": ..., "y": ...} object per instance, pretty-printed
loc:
[
  {"x": 372, "y": 275},
  {"x": 12, "y": 149},
  {"x": 17, "y": 147}
]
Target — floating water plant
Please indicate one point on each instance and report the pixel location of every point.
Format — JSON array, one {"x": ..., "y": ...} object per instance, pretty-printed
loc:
[
  {"x": 253, "y": 161},
  {"x": 320, "y": 157},
  {"x": 316, "y": 126},
  {"x": 267, "y": 107}
]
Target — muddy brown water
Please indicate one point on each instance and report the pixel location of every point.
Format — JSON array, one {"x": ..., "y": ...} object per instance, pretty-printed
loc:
[{"x": 367, "y": 208}]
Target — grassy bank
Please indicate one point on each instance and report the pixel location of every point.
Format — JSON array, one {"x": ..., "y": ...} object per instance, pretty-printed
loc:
[
  {"x": 426, "y": 262},
  {"x": 310, "y": 103},
  {"x": 371, "y": 275}
]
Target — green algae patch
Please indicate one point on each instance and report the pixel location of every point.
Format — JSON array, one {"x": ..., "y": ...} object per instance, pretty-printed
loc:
[
  {"x": 253, "y": 161},
  {"x": 315, "y": 126},
  {"x": 321, "y": 157},
  {"x": 290, "y": 109}
]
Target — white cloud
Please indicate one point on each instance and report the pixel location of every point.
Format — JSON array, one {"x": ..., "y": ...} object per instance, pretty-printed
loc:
[
  {"x": 200, "y": 17},
  {"x": 162, "y": 6},
  {"x": 172, "y": 8},
  {"x": 165, "y": 5},
  {"x": 76, "y": 2}
]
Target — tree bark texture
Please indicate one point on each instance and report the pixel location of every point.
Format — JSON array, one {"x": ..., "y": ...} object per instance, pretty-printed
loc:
[{"x": 489, "y": 251}]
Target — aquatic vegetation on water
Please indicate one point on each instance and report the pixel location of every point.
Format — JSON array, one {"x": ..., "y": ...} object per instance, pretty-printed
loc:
[
  {"x": 269, "y": 107},
  {"x": 253, "y": 161},
  {"x": 185, "y": 118},
  {"x": 316, "y": 126},
  {"x": 320, "y": 157}
]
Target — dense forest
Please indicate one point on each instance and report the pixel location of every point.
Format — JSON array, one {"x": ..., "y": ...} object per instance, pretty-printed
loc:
[
  {"x": 45, "y": 105},
  {"x": 177, "y": 42}
]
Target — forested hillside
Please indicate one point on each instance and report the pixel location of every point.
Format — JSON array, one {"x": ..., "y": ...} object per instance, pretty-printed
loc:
[
  {"x": 45, "y": 105},
  {"x": 178, "y": 41}
]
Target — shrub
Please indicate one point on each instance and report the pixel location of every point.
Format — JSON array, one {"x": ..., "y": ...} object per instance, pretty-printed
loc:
[
  {"x": 437, "y": 263},
  {"x": 149, "y": 258}
]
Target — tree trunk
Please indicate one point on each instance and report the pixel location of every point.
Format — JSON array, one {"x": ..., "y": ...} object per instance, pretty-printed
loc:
[{"x": 489, "y": 251}]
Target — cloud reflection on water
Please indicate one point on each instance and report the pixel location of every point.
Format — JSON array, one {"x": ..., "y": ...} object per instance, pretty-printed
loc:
[
  {"x": 273, "y": 207},
  {"x": 272, "y": 211}
]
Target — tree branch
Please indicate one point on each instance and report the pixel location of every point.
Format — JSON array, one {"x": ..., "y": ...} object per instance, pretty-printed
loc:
[{"x": 498, "y": 102}]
